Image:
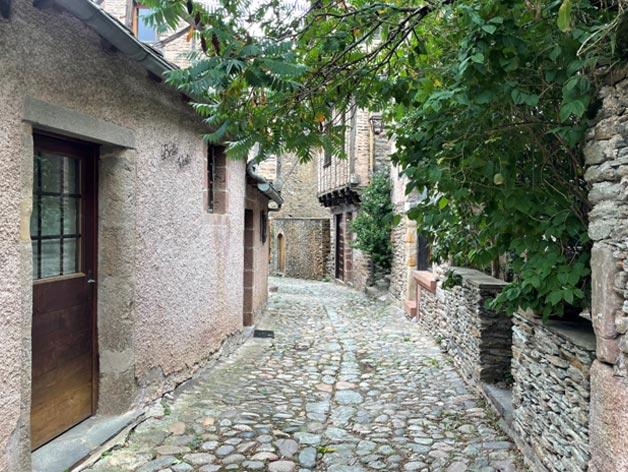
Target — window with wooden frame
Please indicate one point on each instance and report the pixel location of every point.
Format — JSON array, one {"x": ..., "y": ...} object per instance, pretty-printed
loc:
[
  {"x": 142, "y": 31},
  {"x": 216, "y": 179},
  {"x": 343, "y": 122}
]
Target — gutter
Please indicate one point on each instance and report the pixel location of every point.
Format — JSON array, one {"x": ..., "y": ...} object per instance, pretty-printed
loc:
[
  {"x": 264, "y": 186},
  {"x": 117, "y": 35}
]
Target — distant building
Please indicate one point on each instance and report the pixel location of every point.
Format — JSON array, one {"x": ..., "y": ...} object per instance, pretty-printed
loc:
[
  {"x": 300, "y": 230},
  {"x": 340, "y": 182}
]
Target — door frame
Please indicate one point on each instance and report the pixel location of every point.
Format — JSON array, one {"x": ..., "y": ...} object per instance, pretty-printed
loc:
[
  {"x": 88, "y": 152},
  {"x": 340, "y": 252}
]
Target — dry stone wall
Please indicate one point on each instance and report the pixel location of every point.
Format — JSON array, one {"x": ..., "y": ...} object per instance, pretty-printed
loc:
[
  {"x": 550, "y": 367},
  {"x": 606, "y": 154},
  {"x": 478, "y": 339}
]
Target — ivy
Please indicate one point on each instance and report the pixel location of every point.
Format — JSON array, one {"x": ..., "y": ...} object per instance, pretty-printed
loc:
[
  {"x": 494, "y": 135},
  {"x": 375, "y": 221}
]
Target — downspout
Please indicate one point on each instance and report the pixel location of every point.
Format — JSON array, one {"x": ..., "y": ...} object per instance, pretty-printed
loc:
[{"x": 264, "y": 186}]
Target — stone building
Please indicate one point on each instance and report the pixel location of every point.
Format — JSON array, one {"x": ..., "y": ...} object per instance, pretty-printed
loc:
[
  {"x": 339, "y": 184},
  {"x": 300, "y": 229},
  {"x": 172, "y": 45},
  {"x": 130, "y": 251}
]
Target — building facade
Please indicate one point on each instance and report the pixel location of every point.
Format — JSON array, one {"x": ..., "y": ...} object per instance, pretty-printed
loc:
[
  {"x": 339, "y": 185},
  {"x": 123, "y": 237},
  {"x": 300, "y": 229}
]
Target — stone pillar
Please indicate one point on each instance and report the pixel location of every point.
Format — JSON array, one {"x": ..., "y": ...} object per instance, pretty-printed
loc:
[
  {"x": 116, "y": 279},
  {"x": 606, "y": 154}
]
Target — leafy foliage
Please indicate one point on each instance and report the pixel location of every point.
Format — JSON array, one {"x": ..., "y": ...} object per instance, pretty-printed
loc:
[
  {"x": 489, "y": 100},
  {"x": 494, "y": 133},
  {"x": 375, "y": 221}
]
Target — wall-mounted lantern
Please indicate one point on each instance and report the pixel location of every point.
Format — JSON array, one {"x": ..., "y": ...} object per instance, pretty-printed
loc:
[{"x": 377, "y": 123}]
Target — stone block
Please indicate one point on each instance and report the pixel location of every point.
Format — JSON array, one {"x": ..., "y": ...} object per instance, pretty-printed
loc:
[
  {"x": 410, "y": 308},
  {"x": 604, "y": 300},
  {"x": 608, "y": 425},
  {"x": 426, "y": 280},
  {"x": 605, "y": 191}
]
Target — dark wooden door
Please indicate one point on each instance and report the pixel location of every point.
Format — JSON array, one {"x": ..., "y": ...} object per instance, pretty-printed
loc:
[
  {"x": 63, "y": 332},
  {"x": 340, "y": 248}
]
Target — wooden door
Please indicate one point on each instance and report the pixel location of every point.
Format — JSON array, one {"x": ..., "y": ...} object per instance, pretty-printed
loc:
[
  {"x": 340, "y": 248},
  {"x": 64, "y": 292},
  {"x": 282, "y": 253}
]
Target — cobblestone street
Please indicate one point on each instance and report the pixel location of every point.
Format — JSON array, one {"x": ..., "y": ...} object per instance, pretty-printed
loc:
[{"x": 345, "y": 386}]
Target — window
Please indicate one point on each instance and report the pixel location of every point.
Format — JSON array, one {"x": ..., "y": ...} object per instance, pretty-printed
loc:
[
  {"x": 339, "y": 121},
  {"x": 141, "y": 30},
  {"x": 216, "y": 179},
  {"x": 327, "y": 155},
  {"x": 55, "y": 221},
  {"x": 263, "y": 226},
  {"x": 423, "y": 253}
]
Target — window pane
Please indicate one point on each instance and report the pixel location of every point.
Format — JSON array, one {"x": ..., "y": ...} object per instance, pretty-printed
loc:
[
  {"x": 71, "y": 175},
  {"x": 50, "y": 216},
  {"x": 35, "y": 217},
  {"x": 50, "y": 258},
  {"x": 50, "y": 168},
  {"x": 70, "y": 214},
  {"x": 70, "y": 259},
  {"x": 144, "y": 32}
]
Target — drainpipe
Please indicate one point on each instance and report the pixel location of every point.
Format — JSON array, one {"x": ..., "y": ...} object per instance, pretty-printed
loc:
[{"x": 264, "y": 186}]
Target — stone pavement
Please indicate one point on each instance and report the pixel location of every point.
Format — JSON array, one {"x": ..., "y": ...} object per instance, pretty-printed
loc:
[{"x": 345, "y": 386}]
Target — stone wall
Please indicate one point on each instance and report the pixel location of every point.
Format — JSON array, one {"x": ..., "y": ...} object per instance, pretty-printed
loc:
[
  {"x": 550, "y": 367},
  {"x": 402, "y": 283},
  {"x": 606, "y": 154},
  {"x": 478, "y": 339},
  {"x": 307, "y": 247}
]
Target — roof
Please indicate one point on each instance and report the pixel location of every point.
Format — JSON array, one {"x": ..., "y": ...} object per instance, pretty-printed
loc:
[{"x": 118, "y": 35}]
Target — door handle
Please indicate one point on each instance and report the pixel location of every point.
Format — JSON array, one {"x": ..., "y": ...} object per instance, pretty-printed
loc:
[{"x": 91, "y": 281}]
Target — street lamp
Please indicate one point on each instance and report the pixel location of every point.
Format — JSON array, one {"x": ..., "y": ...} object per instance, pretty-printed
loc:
[{"x": 377, "y": 123}]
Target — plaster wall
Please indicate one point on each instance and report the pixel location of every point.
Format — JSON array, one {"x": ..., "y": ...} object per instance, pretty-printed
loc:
[
  {"x": 257, "y": 203},
  {"x": 182, "y": 264}
]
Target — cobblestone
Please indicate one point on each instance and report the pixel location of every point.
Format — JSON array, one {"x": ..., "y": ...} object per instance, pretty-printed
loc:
[{"x": 346, "y": 385}]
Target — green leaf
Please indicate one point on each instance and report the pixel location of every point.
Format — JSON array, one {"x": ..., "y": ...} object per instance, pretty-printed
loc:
[
  {"x": 568, "y": 296},
  {"x": 443, "y": 202},
  {"x": 218, "y": 134},
  {"x": 564, "y": 16},
  {"x": 478, "y": 58},
  {"x": 490, "y": 29},
  {"x": 575, "y": 107}
]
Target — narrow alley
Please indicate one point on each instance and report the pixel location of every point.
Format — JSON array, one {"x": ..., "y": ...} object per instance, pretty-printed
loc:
[{"x": 345, "y": 386}]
